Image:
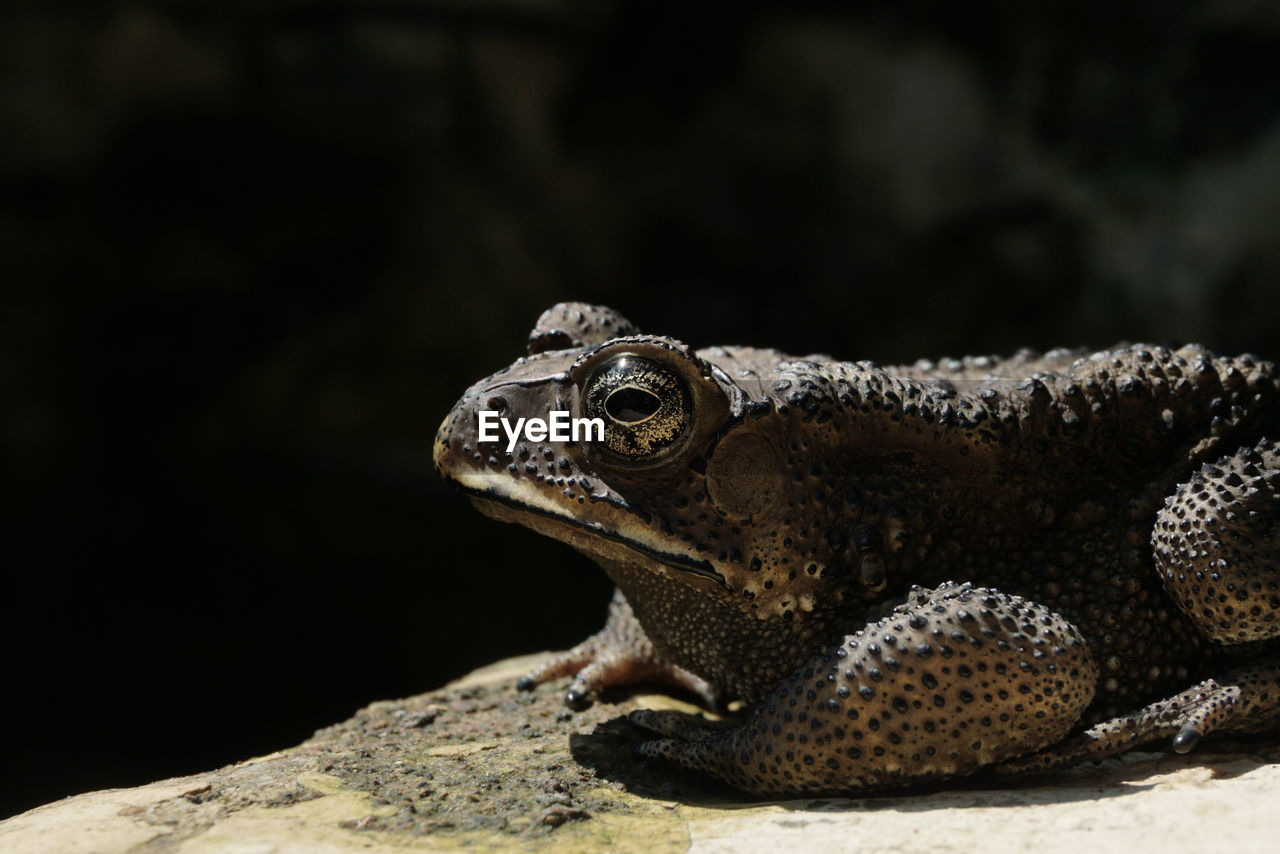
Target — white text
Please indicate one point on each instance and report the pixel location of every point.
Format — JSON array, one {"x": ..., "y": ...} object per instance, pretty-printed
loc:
[{"x": 558, "y": 428}]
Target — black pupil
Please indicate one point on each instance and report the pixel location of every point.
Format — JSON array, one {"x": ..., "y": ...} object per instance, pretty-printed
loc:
[{"x": 630, "y": 405}]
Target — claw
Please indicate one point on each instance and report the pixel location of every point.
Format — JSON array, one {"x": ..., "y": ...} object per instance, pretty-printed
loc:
[
  {"x": 577, "y": 700},
  {"x": 1185, "y": 740}
]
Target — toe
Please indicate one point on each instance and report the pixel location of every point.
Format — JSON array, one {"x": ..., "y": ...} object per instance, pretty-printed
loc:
[{"x": 672, "y": 725}]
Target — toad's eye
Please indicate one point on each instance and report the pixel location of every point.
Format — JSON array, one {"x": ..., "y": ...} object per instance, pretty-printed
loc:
[{"x": 645, "y": 407}]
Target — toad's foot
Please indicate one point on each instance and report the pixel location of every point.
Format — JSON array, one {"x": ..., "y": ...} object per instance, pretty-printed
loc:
[
  {"x": 618, "y": 654},
  {"x": 1246, "y": 700},
  {"x": 955, "y": 679}
]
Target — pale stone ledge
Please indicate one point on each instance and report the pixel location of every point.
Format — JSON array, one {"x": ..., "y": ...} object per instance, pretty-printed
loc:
[{"x": 478, "y": 766}]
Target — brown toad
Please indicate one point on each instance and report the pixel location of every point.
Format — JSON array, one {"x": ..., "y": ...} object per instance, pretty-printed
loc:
[{"x": 912, "y": 572}]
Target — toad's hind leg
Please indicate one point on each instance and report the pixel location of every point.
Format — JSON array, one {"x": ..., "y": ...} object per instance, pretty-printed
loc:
[
  {"x": 1243, "y": 700},
  {"x": 1217, "y": 550},
  {"x": 954, "y": 679},
  {"x": 1217, "y": 546}
]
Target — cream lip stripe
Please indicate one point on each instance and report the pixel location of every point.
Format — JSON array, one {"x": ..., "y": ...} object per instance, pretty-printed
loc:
[{"x": 558, "y": 427}]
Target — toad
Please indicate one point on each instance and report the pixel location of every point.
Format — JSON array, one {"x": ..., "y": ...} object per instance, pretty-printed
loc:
[{"x": 906, "y": 572}]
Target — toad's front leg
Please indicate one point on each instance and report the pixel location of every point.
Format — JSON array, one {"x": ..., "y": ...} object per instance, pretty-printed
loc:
[
  {"x": 955, "y": 679},
  {"x": 619, "y": 654}
]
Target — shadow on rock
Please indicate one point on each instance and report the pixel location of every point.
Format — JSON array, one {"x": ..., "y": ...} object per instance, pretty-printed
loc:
[{"x": 608, "y": 750}]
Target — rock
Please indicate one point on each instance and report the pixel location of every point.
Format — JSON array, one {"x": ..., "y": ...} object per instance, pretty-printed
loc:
[{"x": 479, "y": 765}]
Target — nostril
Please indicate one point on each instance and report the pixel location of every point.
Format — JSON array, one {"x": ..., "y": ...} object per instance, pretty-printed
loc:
[{"x": 497, "y": 403}]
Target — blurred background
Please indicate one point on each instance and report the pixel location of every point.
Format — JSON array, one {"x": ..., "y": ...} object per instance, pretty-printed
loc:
[{"x": 251, "y": 252}]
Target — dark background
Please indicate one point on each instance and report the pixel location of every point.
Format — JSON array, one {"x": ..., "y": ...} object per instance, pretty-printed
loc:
[{"x": 251, "y": 252}]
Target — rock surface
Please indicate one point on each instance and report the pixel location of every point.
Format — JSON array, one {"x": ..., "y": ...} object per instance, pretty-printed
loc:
[{"x": 476, "y": 765}]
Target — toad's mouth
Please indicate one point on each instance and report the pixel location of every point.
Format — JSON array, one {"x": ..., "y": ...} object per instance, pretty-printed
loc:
[{"x": 508, "y": 508}]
